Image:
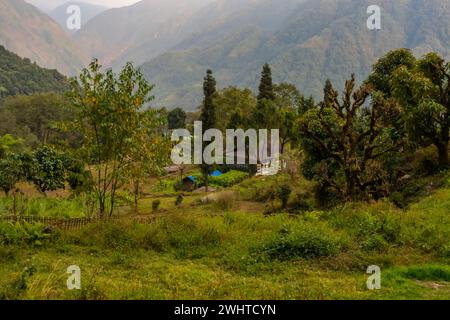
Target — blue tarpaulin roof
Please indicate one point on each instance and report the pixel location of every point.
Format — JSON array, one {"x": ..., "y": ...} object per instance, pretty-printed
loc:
[
  {"x": 192, "y": 178},
  {"x": 216, "y": 173}
]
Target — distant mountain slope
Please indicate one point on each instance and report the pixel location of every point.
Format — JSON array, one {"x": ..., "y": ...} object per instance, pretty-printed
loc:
[
  {"x": 20, "y": 76},
  {"x": 314, "y": 41},
  {"x": 88, "y": 11},
  {"x": 137, "y": 33},
  {"x": 27, "y": 31}
]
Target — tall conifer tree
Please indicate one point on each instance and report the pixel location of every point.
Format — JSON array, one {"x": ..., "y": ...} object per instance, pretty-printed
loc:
[{"x": 208, "y": 116}]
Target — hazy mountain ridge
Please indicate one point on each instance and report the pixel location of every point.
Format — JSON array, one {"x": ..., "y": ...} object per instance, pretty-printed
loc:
[
  {"x": 88, "y": 11},
  {"x": 322, "y": 39},
  {"x": 27, "y": 31},
  {"x": 305, "y": 41},
  {"x": 139, "y": 32}
]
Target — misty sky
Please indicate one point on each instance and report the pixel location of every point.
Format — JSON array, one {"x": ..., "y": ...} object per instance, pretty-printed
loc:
[{"x": 50, "y": 4}]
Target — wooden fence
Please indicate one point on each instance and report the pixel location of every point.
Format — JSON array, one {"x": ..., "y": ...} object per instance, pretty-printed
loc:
[{"x": 78, "y": 223}]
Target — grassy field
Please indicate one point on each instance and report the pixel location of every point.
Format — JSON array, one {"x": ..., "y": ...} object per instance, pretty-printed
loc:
[{"x": 225, "y": 247}]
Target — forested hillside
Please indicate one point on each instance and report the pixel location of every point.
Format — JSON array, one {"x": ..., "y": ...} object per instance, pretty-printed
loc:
[{"x": 21, "y": 76}]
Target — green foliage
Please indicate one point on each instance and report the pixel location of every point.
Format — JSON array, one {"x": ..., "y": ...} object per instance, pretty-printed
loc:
[
  {"x": 74, "y": 207},
  {"x": 35, "y": 118},
  {"x": 78, "y": 178},
  {"x": 208, "y": 116},
  {"x": 383, "y": 69},
  {"x": 266, "y": 86},
  {"x": 284, "y": 192},
  {"x": 177, "y": 119},
  {"x": 11, "y": 172},
  {"x": 347, "y": 145},
  {"x": 115, "y": 131},
  {"x": 228, "y": 179},
  {"x": 236, "y": 107},
  {"x": 7, "y": 144},
  {"x": 421, "y": 87},
  {"x": 427, "y": 273},
  {"x": 46, "y": 169},
  {"x": 22, "y": 233},
  {"x": 302, "y": 242}
]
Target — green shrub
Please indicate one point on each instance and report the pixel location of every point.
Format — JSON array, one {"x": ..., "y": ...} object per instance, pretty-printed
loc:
[
  {"x": 370, "y": 226},
  {"x": 155, "y": 239},
  {"x": 428, "y": 273},
  {"x": 283, "y": 193},
  {"x": 306, "y": 241},
  {"x": 22, "y": 233},
  {"x": 229, "y": 179},
  {"x": 118, "y": 236}
]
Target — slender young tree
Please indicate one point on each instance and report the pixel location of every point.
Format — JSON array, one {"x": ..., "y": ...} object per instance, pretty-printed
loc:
[{"x": 208, "y": 116}]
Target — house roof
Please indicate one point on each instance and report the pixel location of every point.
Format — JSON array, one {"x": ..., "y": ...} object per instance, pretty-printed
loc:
[{"x": 216, "y": 173}]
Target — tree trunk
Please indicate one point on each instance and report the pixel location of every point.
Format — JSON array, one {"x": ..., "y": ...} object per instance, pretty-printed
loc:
[
  {"x": 443, "y": 155},
  {"x": 206, "y": 183},
  {"x": 136, "y": 195},
  {"x": 101, "y": 208}
]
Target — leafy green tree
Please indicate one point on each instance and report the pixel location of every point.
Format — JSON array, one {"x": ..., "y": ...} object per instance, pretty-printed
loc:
[
  {"x": 290, "y": 105},
  {"x": 177, "y": 119},
  {"x": 47, "y": 170},
  {"x": 384, "y": 68},
  {"x": 150, "y": 152},
  {"x": 78, "y": 178},
  {"x": 236, "y": 107},
  {"x": 421, "y": 87},
  {"x": 7, "y": 144},
  {"x": 208, "y": 117},
  {"x": 424, "y": 93},
  {"x": 347, "y": 143},
  {"x": 10, "y": 172},
  {"x": 110, "y": 120}
]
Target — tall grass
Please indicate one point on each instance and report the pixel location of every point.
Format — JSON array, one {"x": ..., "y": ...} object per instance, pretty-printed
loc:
[{"x": 75, "y": 207}]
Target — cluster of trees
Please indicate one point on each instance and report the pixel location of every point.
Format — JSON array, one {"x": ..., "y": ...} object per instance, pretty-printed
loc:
[
  {"x": 34, "y": 118},
  {"x": 105, "y": 140},
  {"x": 353, "y": 144},
  {"x": 275, "y": 107},
  {"x": 45, "y": 167}
]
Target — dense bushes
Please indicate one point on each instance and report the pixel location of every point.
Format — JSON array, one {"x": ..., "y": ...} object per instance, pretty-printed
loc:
[
  {"x": 305, "y": 241},
  {"x": 228, "y": 179},
  {"x": 22, "y": 233}
]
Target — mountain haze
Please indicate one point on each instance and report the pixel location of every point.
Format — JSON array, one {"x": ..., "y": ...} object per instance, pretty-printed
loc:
[
  {"x": 137, "y": 33},
  {"x": 305, "y": 41},
  {"x": 88, "y": 11},
  {"x": 30, "y": 33},
  {"x": 316, "y": 40}
]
